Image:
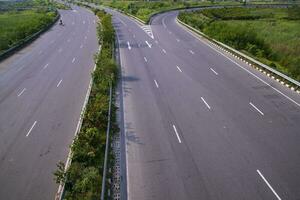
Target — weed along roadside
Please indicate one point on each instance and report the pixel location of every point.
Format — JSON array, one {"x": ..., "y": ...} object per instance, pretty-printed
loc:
[
  {"x": 22, "y": 22},
  {"x": 268, "y": 35},
  {"x": 82, "y": 178}
]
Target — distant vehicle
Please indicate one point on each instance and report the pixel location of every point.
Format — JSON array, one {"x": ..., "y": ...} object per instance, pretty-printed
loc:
[{"x": 61, "y": 22}]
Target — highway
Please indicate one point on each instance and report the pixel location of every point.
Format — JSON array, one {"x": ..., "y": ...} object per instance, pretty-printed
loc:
[
  {"x": 42, "y": 91},
  {"x": 199, "y": 123}
]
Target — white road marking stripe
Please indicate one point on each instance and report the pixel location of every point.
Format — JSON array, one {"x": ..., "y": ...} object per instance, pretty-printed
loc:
[
  {"x": 205, "y": 103},
  {"x": 192, "y": 52},
  {"x": 268, "y": 184},
  {"x": 179, "y": 69},
  {"x": 128, "y": 44},
  {"x": 121, "y": 21},
  {"x": 149, "y": 45},
  {"x": 198, "y": 38},
  {"x": 21, "y": 92},
  {"x": 46, "y": 66},
  {"x": 175, "y": 130},
  {"x": 164, "y": 51},
  {"x": 213, "y": 71},
  {"x": 145, "y": 59},
  {"x": 73, "y": 60},
  {"x": 94, "y": 21},
  {"x": 256, "y": 108},
  {"x": 59, "y": 83},
  {"x": 83, "y": 22},
  {"x": 156, "y": 83},
  {"x": 20, "y": 68},
  {"x": 33, "y": 125}
]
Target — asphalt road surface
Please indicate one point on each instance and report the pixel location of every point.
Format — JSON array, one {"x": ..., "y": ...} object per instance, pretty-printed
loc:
[
  {"x": 42, "y": 90},
  {"x": 201, "y": 124}
]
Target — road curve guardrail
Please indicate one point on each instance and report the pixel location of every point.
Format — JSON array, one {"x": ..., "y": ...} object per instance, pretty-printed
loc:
[
  {"x": 295, "y": 85},
  {"x": 28, "y": 39}
]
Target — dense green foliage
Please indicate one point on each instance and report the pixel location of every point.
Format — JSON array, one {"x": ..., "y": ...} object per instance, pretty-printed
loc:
[
  {"x": 272, "y": 35},
  {"x": 83, "y": 177},
  {"x": 144, "y": 9},
  {"x": 19, "y": 20}
]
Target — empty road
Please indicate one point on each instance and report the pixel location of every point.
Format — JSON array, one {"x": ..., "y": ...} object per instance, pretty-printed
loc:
[
  {"x": 199, "y": 123},
  {"x": 42, "y": 91}
]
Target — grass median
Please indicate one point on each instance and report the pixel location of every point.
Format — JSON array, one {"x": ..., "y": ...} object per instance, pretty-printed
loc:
[
  {"x": 270, "y": 35},
  {"x": 83, "y": 177}
]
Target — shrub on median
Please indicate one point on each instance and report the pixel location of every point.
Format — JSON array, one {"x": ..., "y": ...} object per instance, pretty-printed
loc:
[{"x": 83, "y": 178}]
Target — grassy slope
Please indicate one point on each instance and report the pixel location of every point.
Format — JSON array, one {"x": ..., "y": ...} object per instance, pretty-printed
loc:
[
  {"x": 144, "y": 10},
  {"x": 15, "y": 26},
  {"x": 278, "y": 37}
]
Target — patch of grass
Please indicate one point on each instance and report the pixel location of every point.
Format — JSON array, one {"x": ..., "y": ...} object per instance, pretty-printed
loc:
[
  {"x": 15, "y": 26},
  {"x": 271, "y": 35},
  {"x": 145, "y": 9}
]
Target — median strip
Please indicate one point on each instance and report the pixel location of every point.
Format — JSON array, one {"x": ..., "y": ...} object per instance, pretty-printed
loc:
[{"x": 86, "y": 160}]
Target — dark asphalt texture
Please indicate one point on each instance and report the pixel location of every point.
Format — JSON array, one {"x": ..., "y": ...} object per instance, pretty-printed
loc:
[{"x": 37, "y": 124}]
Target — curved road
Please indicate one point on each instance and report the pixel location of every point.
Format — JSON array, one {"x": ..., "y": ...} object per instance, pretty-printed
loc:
[
  {"x": 199, "y": 123},
  {"x": 42, "y": 90}
]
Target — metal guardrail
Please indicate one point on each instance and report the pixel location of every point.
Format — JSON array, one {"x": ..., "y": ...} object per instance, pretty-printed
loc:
[
  {"x": 28, "y": 39},
  {"x": 246, "y": 57},
  {"x": 107, "y": 143}
]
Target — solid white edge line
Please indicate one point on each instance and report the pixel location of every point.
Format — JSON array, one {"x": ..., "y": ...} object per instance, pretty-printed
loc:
[
  {"x": 194, "y": 35},
  {"x": 268, "y": 184},
  {"x": 73, "y": 60},
  {"x": 156, "y": 83},
  {"x": 21, "y": 92},
  {"x": 205, "y": 103},
  {"x": 145, "y": 59},
  {"x": 256, "y": 108},
  {"x": 213, "y": 71},
  {"x": 33, "y": 125},
  {"x": 175, "y": 130},
  {"x": 179, "y": 69},
  {"x": 59, "y": 83},
  {"x": 164, "y": 50}
]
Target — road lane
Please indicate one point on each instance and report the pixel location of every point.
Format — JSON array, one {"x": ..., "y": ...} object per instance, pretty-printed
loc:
[
  {"x": 38, "y": 127},
  {"x": 221, "y": 148}
]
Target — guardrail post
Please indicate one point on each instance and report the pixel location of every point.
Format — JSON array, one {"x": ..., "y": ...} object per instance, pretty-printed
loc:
[{"x": 107, "y": 143}]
